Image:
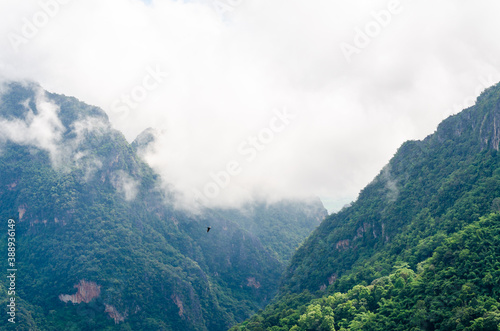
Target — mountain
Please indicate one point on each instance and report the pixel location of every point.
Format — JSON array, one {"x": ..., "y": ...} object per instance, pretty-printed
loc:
[
  {"x": 98, "y": 242},
  {"x": 419, "y": 248}
]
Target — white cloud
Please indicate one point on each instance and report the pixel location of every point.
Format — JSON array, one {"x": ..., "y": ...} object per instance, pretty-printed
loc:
[
  {"x": 125, "y": 184},
  {"x": 41, "y": 128},
  {"x": 77, "y": 153},
  {"x": 84, "y": 126},
  {"x": 225, "y": 78}
]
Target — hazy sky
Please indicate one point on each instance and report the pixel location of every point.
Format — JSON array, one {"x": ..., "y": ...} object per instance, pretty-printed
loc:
[{"x": 260, "y": 98}]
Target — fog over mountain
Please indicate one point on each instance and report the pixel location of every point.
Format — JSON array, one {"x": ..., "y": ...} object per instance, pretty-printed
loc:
[{"x": 256, "y": 98}]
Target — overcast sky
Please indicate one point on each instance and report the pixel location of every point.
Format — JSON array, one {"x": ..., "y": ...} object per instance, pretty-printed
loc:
[{"x": 260, "y": 98}]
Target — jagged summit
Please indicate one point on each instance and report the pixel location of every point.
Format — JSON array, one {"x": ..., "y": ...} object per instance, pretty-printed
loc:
[{"x": 145, "y": 138}]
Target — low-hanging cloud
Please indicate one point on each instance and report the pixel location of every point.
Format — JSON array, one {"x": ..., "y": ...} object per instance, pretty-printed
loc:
[
  {"x": 391, "y": 184},
  {"x": 125, "y": 184},
  {"x": 42, "y": 129},
  {"x": 220, "y": 77}
]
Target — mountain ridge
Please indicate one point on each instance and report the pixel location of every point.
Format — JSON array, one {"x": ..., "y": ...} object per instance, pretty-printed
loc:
[
  {"x": 90, "y": 214},
  {"x": 451, "y": 128},
  {"x": 428, "y": 192}
]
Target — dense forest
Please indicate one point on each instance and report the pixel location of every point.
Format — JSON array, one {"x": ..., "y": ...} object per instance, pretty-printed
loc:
[
  {"x": 419, "y": 248},
  {"x": 99, "y": 245}
]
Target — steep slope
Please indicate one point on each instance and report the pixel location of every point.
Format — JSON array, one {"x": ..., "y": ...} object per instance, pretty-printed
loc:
[
  {"x": 455, "y": 289},
  {"x": 99, "y": 245},
  {"x": 429, "y": 192}
]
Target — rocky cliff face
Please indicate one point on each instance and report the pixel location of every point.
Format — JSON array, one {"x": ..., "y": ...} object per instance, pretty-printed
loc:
[
  {"x": 479, "y": 124},
  {"x": 86, "y": 292}
]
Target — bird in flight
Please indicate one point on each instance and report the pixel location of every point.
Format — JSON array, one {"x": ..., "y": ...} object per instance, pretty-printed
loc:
[{"x": 208, "y": 228}]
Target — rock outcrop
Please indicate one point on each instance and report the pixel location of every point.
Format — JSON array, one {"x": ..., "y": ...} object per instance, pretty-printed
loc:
[{"x": 86, "y": 292}]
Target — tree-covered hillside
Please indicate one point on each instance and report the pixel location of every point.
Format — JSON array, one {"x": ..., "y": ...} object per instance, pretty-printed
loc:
[
  {"x": 418, "y": 250},
  {"x": 99, "y": 245}
]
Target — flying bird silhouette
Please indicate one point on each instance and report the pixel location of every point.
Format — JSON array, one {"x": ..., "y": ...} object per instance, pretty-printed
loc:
[{"x": 208, "y": 228}]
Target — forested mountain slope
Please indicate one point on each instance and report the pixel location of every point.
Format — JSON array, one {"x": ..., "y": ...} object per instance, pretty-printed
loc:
[
  {"x": 99, "y": 245},
  {"x": 418, "y": 250}
]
